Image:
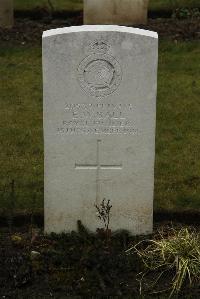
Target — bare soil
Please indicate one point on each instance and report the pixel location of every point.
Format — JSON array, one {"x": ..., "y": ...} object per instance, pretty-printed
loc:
[
  {"x": 76, "y": 265},
  {"x": 30, "y": 31}
]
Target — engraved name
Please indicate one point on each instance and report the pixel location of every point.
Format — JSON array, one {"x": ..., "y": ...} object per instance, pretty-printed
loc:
[{"x": 98, "y": 118}]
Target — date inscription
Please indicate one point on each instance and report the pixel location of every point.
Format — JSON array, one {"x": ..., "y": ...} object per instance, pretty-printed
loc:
[{"x": 99, "y": 118}]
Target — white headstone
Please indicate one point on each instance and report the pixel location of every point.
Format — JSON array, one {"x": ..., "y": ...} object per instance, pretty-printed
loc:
[
  {"x": 6, "y": 13},
  {"x": 99, "y": 126},
  {"x": 119, "y": 12}
]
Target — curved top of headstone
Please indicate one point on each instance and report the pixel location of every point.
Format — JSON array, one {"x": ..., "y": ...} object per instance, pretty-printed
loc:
[{"x": 112, "y": 28}]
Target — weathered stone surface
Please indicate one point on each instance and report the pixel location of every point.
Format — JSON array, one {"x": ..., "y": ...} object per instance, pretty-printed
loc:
[
  {"x": 99, "y": 126},
  {"x": 119, "y": 12},
  {"x": 6, "y": 13}
]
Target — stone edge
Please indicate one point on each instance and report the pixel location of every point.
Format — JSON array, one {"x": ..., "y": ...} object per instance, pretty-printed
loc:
[{"x": 88, "y": 28}]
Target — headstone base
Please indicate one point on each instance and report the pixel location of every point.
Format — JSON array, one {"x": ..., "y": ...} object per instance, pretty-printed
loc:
[
  {"x": 116, "y": 12},
  {"x": 6, "y": 14}
]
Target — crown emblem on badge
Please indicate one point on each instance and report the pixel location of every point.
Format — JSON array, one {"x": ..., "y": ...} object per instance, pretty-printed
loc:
[
  {"x": 99, "y": 73},
  {"x": 100, "y": 47}
]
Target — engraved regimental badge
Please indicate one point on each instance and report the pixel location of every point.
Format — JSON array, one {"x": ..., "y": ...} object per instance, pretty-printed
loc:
[{"x": 99, "y": 74}]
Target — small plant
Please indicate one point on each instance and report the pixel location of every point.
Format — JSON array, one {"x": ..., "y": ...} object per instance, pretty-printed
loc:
[
  {"x": 178, "y": 255},
  {"x": 103, "y": 212}
]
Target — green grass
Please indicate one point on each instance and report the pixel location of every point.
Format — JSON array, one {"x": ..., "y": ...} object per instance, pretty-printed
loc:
[
  {"x": 21, "y": 148},
  {"x": 177, "y": 179},
  {"x": 78, "y": 4}
]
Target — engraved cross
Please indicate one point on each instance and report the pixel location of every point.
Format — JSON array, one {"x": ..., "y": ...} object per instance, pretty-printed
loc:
[{"x": 98, "y": 166}]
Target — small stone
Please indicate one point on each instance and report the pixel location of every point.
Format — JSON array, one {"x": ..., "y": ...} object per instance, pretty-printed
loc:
[{"x": 34, "y": 254}]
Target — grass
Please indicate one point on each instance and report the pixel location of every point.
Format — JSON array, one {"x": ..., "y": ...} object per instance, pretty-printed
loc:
[
  {"x": 72, "y": 5},
  {"x": 21, "y": 156},
  {"x": 178, "y": 255},
  {"x": 177, "y": 179}
]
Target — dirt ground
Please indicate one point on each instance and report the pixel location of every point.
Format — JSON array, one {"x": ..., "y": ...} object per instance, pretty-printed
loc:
[
  {"x": 76, "y": 265},
  {"x": 30, "y": 31}
]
